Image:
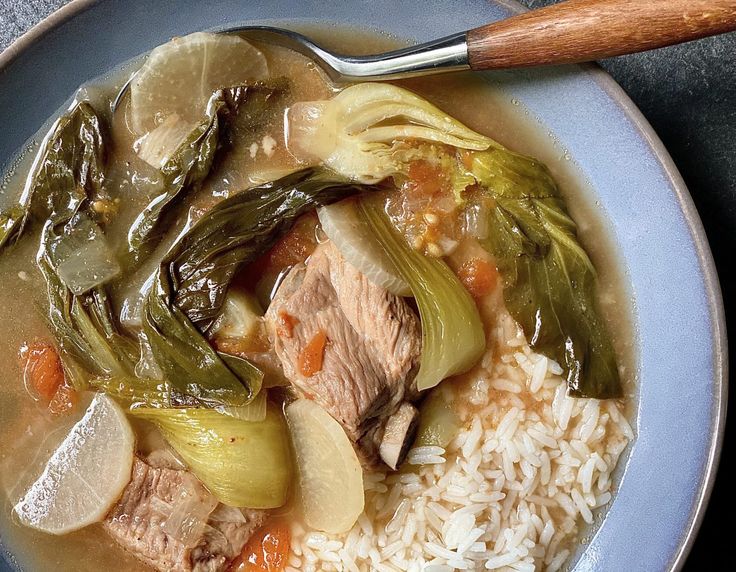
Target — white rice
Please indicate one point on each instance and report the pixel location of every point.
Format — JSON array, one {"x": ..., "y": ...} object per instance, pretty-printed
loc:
[{"x": 510, "y": 493}]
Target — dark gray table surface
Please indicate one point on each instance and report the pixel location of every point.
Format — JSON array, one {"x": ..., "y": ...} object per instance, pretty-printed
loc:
[{"x": 688, "y": 94}]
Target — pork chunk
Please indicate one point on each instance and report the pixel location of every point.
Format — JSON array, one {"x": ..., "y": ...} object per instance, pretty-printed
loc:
[
  {"x": 138, "y": 520},
  {"x": 373, "y": 343}
]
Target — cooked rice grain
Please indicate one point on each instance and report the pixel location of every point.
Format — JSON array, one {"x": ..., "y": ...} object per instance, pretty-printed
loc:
[{"x": 509, "y": 493}]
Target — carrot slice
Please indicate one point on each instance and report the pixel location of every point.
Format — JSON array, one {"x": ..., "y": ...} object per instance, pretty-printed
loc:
[
  {"x": 266, "y": 551},
  {"x": 310, "y": 358},
  {"x": 286, "y": 325}
]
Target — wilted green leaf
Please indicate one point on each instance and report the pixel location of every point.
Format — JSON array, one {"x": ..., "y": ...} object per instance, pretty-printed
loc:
[{"x": 549, "y": 280}]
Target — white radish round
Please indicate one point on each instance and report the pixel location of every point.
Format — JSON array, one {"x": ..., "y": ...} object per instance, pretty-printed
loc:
[{"x": 179, "y": 77}]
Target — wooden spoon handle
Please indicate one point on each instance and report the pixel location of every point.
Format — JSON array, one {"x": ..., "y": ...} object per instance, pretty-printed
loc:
[{"x": 585, "y": 30}]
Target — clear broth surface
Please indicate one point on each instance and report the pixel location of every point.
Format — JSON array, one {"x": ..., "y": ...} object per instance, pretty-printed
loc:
[{"x": 29, "y": 435}]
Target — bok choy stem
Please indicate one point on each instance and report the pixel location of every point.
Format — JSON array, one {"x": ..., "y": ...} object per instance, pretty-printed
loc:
[
  {"x": 243, "y": 463},
  {"x": 453, "y": 339}
]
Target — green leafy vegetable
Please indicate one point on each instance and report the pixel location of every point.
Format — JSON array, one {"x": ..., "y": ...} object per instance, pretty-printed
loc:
[
  {"x": 238, "y": 230},
  {"x": 187, "y": 359},
  {"x": 91, "y": 346},
  {"x": 549, "y": 280},
  {"x": 185, "y": 164},
  {"x": 438, "y": 422},
  {"x": 137, "y": 391},
  {"x": 193, "y": 280},
  {"x": 67, "y": 169},
  {"x": 452, "y": 332},
  {"x": 67, "y": 174},
  {"x": 243, "y": 463}
]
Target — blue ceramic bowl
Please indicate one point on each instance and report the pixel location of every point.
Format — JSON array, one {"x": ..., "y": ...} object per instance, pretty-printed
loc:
[{"x": 677, "y": 316}]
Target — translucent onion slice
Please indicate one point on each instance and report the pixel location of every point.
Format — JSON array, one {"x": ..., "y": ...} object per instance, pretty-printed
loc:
[
  {"x": 352, "y": 237},
  {"x": 180, "y": 76},
  {"x": 330, "y": 475},
  {"x": 86, "y": 474}
]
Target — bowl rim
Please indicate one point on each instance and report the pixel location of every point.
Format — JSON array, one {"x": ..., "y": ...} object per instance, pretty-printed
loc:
[{"x": 684, "y": 199}]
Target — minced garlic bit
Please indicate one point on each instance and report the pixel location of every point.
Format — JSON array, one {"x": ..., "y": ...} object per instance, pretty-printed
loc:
[
  {"x": 23, "y": 275},
  {"x": 433, "y": 249},
  {"x": 431, "y": 218},
  {"x": 253, "y": 150},
  {"x": 269, "y": 145},
  {"x": 104, "y": 206}
]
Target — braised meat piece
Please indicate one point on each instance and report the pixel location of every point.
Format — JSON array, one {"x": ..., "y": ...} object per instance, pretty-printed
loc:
[
  {"x": 139, "y": 523},
  {"x": 351, "y": 346}
]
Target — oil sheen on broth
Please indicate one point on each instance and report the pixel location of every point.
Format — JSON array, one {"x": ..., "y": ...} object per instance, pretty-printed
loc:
[{"x": 29, "y": 435}]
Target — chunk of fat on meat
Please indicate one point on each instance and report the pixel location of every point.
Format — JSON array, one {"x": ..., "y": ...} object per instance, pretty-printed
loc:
[
  {"x": 373, "y": 346},
  {"x": 137, "y": 522}
]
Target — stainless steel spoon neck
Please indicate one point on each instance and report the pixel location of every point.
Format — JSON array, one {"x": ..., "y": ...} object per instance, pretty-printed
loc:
[{"x": 443, "y": 55}]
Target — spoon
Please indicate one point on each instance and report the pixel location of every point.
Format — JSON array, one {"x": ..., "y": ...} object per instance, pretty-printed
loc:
[{"x": 569, "y": 32}]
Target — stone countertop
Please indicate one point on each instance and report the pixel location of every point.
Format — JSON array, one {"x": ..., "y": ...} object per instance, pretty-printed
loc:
[{"x": 688, "y": 94}]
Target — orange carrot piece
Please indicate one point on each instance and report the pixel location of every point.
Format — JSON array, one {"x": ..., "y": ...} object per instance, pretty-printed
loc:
[
  {"x": 310, "y": 358},
  {"x": 478, "y": 276},
  {"x": 266, "y": 551}
]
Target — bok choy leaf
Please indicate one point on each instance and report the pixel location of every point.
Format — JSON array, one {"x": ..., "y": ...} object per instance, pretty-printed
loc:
[
  {"x": 67, "y": 170},
  {"x": 453, "y": 339},
  {"x": 192, "y": 282},
  {"x": 91, "y": 346},
  {"x": 362, "y": 132},
  {"x": 185, "y": 163},
  {"x": 549, "y": 280},
  {"x": 238, "y": 230},
  {"x": 242, "y": 463}
]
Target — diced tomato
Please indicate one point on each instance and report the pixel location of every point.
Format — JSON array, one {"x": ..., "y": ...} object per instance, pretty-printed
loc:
[
  {"x": 42, "y": 370},
  {"x": 266, "y": 551},
  {"x": 310, "y": 358},
  {"x": 294, "y": 247},
  {"x": 44, "y": 377},
  {"x": 478, "y": 276},
  {"x": 425, "y": 179},
  {"x": 287, "y": 322}
]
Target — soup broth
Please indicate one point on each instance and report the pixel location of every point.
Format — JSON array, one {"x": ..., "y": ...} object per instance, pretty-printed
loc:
[{"x": 30, "y": 434}]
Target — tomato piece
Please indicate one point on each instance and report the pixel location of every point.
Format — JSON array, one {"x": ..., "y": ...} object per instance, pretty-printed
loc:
[
  {"x": 425, "y": 179},
  {"x": 42, "y": 370},
  {"x": 266, "y": 551},
  {"x": 478, "y": 276},
  {"x": 310, "y": 358},
  {"x": 294, "y": 247}
]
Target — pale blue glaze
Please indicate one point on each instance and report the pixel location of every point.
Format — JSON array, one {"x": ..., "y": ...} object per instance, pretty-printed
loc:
[{"x": 677, "y": 309}]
